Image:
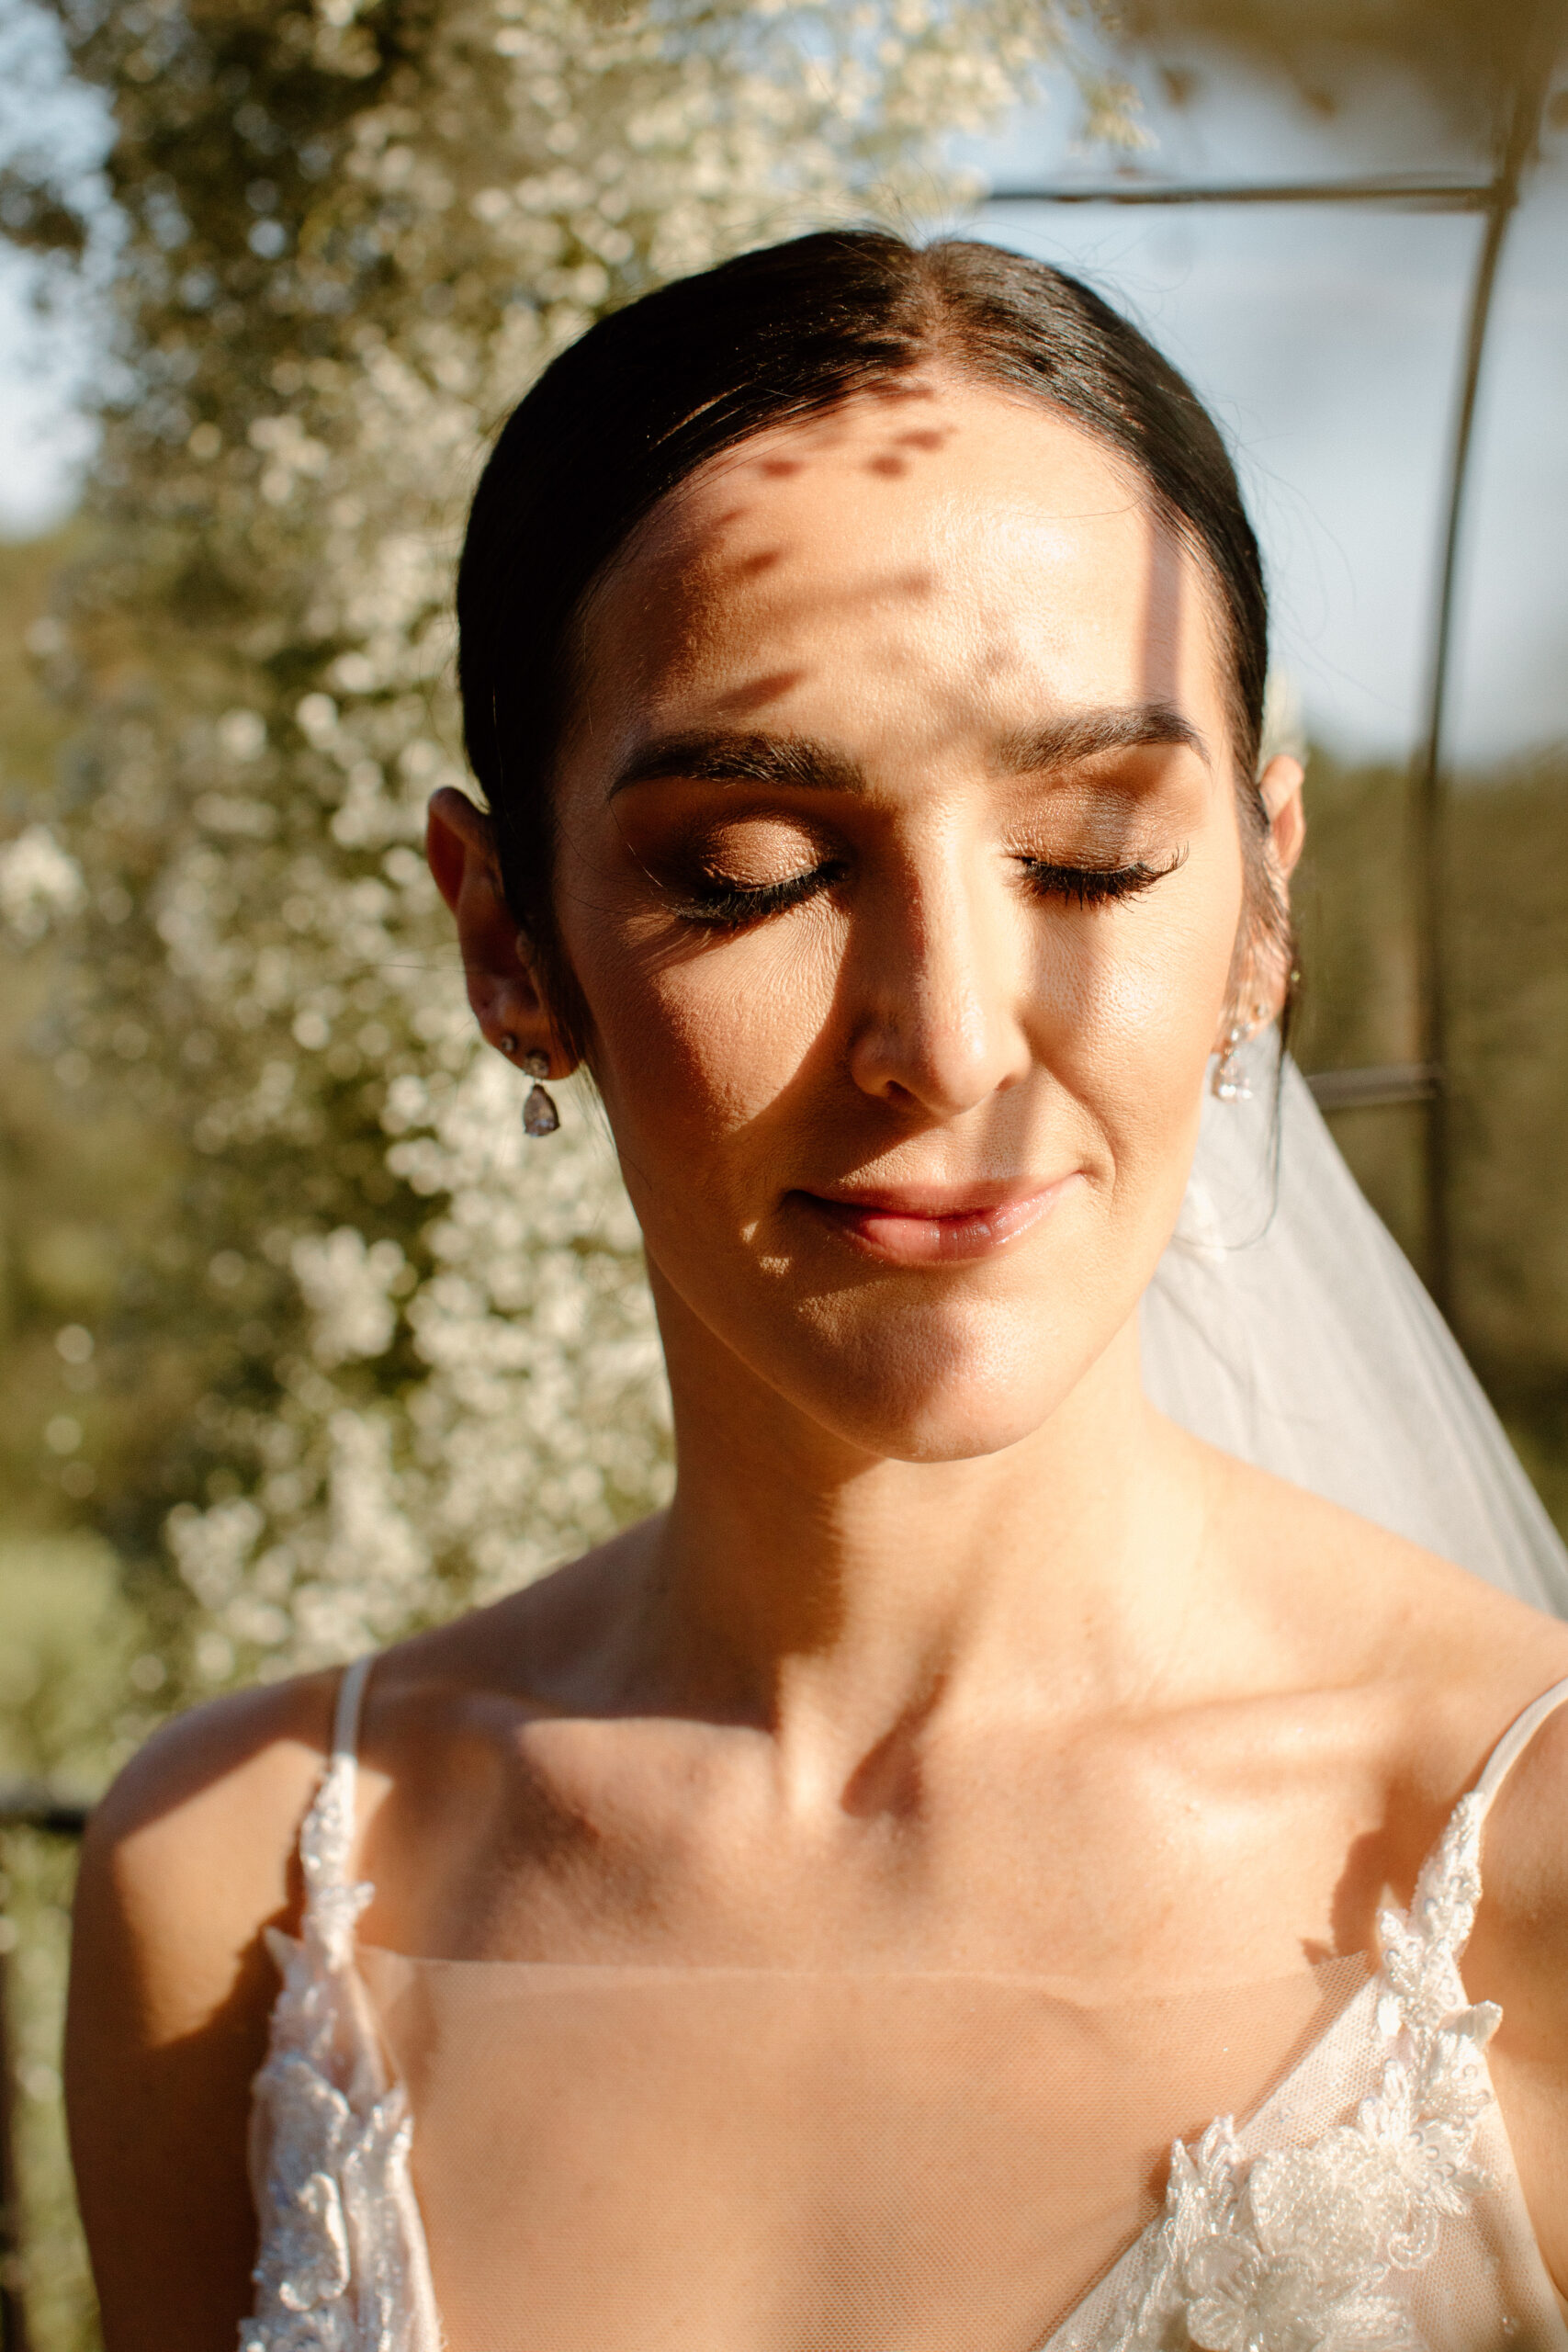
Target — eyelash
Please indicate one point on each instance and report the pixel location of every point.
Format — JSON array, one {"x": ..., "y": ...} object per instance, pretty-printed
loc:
[
  {"x": 1094, "y": 886},
  {"x": 732, "y": 906}
]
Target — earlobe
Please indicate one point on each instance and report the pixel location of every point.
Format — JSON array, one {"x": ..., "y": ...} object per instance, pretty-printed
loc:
[{"x": 503, "y": 986}]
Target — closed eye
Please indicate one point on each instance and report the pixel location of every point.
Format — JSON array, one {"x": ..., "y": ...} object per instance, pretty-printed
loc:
[
  {"x": 1094, "y": 886},
  {"x": 730, "y": 906}
]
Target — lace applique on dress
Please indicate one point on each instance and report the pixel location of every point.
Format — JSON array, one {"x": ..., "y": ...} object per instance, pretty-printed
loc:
[
  {"x": 342, "y": 2265},
  {"x": 1293, "y": 2249}
]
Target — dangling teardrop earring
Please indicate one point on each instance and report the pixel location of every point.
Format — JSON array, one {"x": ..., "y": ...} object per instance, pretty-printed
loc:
[
  {"x": 540, "y": 1116},
  {"x": 1230, "y": 1079},
  {"x": 1230, "y": 1083}
]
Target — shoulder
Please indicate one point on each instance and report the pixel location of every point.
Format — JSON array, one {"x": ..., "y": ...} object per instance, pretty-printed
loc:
[
  {"x": 1458, "y": 1663},
  {"x": 1518, "y": 1958},
  {"x": 1429, "y": 1664},
  {"x": 1522, "y": 1928},
  {"x": 1360, "y": 1604},
  {"x": 191, "y": 1852},
  {"x": 186, "y": 1861}
]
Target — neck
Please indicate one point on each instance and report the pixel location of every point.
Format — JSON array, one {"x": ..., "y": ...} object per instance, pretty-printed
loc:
[{"x": 829, "y": 1596}]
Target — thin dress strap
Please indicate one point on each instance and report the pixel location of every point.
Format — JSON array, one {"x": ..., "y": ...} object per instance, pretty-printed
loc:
[
  {"x": 1513, "y": 1743},
  {"x": 1442, "y": 1911},
  {"x": 350, "y": 1705},
  {"x": 332, "y": 1902}
]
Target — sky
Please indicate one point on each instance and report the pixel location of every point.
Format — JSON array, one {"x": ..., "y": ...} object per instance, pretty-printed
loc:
[{"x": 1326, "y": 340}]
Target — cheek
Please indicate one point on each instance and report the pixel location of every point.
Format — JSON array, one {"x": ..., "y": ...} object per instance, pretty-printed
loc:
[
  {"x": 1160, "y": 1000},
  {"x": 1135, "y": 1025},
  {"x": 701, "y": 1040},
  {"x": 1148, "y": 986}
]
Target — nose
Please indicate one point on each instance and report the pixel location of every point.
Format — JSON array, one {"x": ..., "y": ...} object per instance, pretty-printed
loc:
[{"x": 939, "y": 977}]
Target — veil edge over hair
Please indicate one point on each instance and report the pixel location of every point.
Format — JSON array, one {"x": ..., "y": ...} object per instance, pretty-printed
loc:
[{"x": 1285, "y": 1326}]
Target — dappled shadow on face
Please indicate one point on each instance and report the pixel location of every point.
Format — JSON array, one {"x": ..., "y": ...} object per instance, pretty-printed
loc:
[
  {"x": 828, "y": 438},
  {"x": 821, "y": 1128},
  {"x": 904, "y": 448},
  {"x": 753, "y": 695}
]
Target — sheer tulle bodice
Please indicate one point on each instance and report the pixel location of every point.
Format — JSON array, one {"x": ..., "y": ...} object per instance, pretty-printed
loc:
[
  {"x": 792, "y": 2159},
  {"x": 562, "y": 2158}
]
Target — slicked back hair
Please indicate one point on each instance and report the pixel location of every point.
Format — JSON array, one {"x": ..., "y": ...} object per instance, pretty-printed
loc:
[{"x": 655, "y": 391}]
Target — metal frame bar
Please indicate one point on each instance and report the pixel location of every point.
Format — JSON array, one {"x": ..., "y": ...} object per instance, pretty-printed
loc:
[
  {"x": 1374, "y": 1089},
  {"x": 1417, "y": 191}
]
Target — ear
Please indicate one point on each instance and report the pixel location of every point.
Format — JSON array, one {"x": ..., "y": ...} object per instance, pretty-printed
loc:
[
  {"x": 1260, "y": 975},
  {"x": 1280, "y": 789},
  {"x": 503, "y": 986}
]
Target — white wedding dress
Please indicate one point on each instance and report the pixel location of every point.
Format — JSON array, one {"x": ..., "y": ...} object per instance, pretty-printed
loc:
[
  {"x": 548, "y": 2157},
  {"x": 1368, "y": 2199}
]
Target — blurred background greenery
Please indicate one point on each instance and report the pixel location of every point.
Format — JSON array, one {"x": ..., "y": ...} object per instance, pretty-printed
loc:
[{"x": 300, "y": 1350}]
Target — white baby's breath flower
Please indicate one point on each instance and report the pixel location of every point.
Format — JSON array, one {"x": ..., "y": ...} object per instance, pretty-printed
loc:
[{"x": 38, "y": 880}]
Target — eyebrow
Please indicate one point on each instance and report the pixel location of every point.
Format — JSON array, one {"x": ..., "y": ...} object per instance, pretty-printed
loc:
[
  {"x": 1084, "y": 734},
  {"x": 738, "y": 758},
  {"x": 725, "y": 756}
]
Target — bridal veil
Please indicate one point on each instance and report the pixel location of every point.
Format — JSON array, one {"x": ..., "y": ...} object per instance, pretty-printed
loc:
[{"x": 1284, "y": 1325}]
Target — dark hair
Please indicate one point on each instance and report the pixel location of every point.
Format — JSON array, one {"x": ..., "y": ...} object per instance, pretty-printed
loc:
[{"x": 651, "y": 392}]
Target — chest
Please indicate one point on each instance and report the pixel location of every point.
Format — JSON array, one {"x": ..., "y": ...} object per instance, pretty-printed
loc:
[
  {"x": 1113, "y": 1866},
  {"x": 798, "y": 2158}
]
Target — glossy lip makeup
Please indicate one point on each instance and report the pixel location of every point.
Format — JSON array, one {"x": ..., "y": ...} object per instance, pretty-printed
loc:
[{"x": 934, "y": 1225}]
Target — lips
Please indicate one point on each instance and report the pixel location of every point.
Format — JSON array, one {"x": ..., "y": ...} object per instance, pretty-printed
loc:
[{"x": 930, "y": 1226}]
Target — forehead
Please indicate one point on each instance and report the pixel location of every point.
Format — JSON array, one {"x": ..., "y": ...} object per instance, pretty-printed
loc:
[{"x": 944, "y": 545}]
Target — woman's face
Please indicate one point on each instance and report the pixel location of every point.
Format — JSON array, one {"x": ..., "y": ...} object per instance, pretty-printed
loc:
[{"x": 901, "y": 873}]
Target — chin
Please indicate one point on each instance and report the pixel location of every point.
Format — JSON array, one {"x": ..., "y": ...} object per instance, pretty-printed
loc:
[
  {"x": 948, "y": 1432},
  {"x": 941, "y": 1396}
]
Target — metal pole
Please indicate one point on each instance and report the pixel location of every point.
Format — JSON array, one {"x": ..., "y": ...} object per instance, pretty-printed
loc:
[
  {"x": 1402, "y": 191},
  {"x": 1428, "y": 781},
  {"x": 13, "y": 2309}
]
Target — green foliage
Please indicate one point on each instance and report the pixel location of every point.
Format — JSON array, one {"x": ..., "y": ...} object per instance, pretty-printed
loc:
[
  {"x": 74, "y": 1668},
  {"x": 380, "y": 1363},
  {"x": 52, "y": 2272}
]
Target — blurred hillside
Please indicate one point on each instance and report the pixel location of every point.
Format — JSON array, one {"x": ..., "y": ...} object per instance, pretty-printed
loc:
[{"x": 1506, "y": 958}]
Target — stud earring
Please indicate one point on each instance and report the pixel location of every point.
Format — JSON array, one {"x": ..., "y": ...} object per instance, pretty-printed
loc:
[{"x": 540, "y": 1116}]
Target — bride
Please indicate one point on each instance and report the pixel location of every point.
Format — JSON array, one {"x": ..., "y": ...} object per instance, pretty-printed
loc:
[{"x": 984, "y": 1868}]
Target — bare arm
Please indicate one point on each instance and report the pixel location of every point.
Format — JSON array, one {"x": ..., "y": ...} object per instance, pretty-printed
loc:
[{"x": 189, "y": 1857}]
